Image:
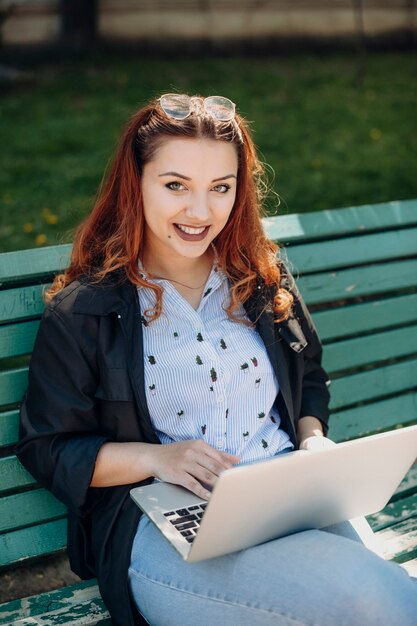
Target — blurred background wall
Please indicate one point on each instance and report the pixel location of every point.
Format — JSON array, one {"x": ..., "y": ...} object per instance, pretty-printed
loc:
[{"x": 43, "y": 22}]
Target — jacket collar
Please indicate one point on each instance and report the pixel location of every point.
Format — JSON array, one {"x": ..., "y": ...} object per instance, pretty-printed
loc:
[{"x": 115, "y": 296}]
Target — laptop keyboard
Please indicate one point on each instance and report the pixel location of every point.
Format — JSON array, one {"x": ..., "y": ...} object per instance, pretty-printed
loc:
[{"x": 187, "y": 520}]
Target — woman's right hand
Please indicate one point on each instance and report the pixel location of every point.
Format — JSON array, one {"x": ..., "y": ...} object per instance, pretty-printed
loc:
[{"x": 193, "y": 464}]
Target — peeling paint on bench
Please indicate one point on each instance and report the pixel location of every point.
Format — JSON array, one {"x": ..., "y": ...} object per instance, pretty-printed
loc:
[{"x": 76, "y": 605}]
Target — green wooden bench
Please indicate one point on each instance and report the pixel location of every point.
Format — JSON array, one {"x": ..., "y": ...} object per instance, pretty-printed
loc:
[{"x": 357, "y": 270}]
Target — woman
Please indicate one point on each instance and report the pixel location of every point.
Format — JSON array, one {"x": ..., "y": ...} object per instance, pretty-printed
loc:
[{"x": 175, "y": 324}]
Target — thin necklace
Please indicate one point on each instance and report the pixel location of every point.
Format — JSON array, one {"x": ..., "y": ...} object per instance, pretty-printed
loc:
[
  {"x": 172, "y": 280},
  {"x": 178, "y": 282}
]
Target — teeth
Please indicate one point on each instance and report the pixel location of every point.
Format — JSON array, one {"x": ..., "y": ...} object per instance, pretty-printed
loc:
[{"x": 191, "y": 231}]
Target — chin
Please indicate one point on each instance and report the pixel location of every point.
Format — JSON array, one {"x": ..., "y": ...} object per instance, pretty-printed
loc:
[{"x": 193, "y": 251}]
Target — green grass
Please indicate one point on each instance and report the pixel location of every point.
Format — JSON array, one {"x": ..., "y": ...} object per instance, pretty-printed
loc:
[{"x": 332, "y": 141}]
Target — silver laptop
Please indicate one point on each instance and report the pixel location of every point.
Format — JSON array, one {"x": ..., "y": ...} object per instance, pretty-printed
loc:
[{"x": 301, "y": 490}]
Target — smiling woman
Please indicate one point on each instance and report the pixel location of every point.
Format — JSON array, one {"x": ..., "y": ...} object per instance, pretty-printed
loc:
[
  {"x": 176, "y": 155},
  {"x": 166, "y": 351}
]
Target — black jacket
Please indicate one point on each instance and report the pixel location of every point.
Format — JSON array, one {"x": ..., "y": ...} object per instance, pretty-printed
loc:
[{"x": 86, "y": 386}]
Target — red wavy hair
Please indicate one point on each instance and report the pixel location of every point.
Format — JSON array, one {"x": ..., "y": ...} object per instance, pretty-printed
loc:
[{"x": 111, "y": 237}]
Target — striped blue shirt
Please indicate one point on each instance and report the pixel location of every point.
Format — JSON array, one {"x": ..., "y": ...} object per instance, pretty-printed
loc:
[{"x": 207, "y": 377}]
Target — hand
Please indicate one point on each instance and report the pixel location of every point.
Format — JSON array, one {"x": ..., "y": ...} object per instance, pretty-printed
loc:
[
  {"x": 316, "y": 442},
  {"x": 191, "y": 464}
]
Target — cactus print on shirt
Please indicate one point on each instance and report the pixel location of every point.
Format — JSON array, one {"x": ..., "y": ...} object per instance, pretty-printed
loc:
[{"x": 207, "y": 377}]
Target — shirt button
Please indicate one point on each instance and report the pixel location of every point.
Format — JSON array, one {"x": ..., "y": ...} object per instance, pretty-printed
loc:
[
  {"x": 220, "y": 444},
  {"x": 220, "y": 399}
]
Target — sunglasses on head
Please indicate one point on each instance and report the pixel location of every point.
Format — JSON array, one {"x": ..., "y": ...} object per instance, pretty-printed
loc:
[{"x": 180, "y": 106}]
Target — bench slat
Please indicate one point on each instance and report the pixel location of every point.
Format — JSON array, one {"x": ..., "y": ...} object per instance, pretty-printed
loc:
[
  {"x": 13, "y": 475},
  {"x": 27, "y": 302},
  {"x": 400, "y": 540},
  {"x": 340, "y": 222},
  {"x": 375, "y": 417},
  {"x": 360, "y": 281},
  {"x": 371, "y": 385},
  {"x": 13, "y": 384},
  {"x": 21, "y": 265},
  {"x": 394, "y": 512},
  {"x": 9, "y": 427},
  {"x": 33, "y": 541},
  {"x": 28, "y": 509},
  {"x": 78, "y": 605},
  {"x": 408, "y": 485},
  {"x": 368, "y": 385},
  {"x": 366, "y": 317},
  {"x": 17, "y": 339},
  {"x": 330, "y": 324},
  {"x": 21, "y": 303},
  {"x": 338, "y": 253},
  {"x": 352, "y": 353},
  {"x": 33, "y": 264}
]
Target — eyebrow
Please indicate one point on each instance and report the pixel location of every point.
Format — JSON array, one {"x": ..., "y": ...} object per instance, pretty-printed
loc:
[{"x": 187, "y": 178}]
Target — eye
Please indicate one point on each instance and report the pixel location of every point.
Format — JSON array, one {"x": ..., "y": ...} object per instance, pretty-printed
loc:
[
  {"x": 175, "y": 186},
  {"x": 223, "y": 188}
]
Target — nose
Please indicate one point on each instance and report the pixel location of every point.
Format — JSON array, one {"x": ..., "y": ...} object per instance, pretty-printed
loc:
[{"x": 198, "y": 208}]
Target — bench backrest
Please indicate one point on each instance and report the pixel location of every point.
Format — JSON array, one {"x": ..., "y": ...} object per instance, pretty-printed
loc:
[{"x": 357, "y": 270}]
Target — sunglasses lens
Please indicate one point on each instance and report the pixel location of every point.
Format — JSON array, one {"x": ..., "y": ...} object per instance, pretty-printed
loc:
[
  {"x": 176, "y": 105},
  {"x": 221, "y": 108},
  {"x": 179, "y": 106}
]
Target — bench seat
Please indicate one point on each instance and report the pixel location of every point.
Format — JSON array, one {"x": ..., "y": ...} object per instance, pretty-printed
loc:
[
  {"x": 77, "y": 605},
  {"x": 357, "y": 271}
]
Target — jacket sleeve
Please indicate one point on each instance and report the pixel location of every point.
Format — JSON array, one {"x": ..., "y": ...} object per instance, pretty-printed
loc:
[
  {"x": 59, "y": 426},
  {"x": 315, "y": 394}
]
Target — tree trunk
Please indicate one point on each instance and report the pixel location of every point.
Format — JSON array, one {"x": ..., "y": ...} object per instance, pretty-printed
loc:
[{"x": 79, "y": 22}]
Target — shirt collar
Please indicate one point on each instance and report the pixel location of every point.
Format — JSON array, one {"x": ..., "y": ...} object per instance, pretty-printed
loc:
[{"x": 214, "y": 280}]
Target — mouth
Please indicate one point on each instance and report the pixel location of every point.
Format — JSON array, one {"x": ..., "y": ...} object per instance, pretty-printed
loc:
[{"x": 191, "y": 233}]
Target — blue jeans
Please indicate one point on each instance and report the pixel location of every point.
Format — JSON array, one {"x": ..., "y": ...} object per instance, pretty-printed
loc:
[{"x": 317, "y": 577}]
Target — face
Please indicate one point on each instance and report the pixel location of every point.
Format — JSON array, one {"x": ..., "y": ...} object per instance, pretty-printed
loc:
[{"x": 188, "y": 191}]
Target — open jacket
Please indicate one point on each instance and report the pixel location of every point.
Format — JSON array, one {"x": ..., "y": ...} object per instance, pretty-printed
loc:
[{"x": 86, "y": 387}]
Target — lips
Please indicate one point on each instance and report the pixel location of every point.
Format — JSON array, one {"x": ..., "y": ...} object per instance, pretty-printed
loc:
[{"x": 191, "y": 233}]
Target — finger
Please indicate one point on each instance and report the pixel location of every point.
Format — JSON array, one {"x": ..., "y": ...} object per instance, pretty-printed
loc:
[
  {"x": 199, "y": 444},
  {"x": 225, "y": 459},
  {"x": 233, "y": 458},
  {"x": 205, "y": 475},
  {"x": 191, "y": 483},
  {"x": 197, "y": 462},
  {"x": 216, "y": 463},
  {"x": 210, "y": 466}
]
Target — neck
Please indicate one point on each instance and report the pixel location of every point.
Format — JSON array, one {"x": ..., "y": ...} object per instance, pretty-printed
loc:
[{"x": 189, "y": 271}]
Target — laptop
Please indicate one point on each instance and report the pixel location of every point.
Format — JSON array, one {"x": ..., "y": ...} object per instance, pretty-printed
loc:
[{"x": 301, "y": 490}]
